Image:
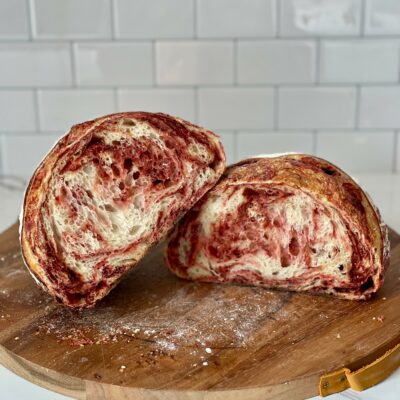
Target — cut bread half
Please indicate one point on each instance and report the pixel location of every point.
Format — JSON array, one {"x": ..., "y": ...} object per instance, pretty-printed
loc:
[
  {"x": 292, "y": 222},
  {"x": 106, "y": 192}
]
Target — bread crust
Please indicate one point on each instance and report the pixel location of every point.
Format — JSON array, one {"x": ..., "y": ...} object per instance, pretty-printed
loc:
[
  {"x": 314, "y": 177},
  {"x": 42, "y": 256}
]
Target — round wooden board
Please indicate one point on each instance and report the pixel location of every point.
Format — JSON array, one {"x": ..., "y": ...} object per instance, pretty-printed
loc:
[{"x": 158, "y": 337}]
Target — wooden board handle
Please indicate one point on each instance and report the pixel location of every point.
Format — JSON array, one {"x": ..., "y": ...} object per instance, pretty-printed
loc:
[{"x": 362, "y": 378}]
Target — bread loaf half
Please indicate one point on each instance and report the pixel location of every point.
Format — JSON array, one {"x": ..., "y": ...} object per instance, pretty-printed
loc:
[
  {"x": 106, "y": 192},
  {"x": 292, "y": 222}
]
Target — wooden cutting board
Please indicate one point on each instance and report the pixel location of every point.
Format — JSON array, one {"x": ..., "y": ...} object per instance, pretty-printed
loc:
[{"x": 158, "y": 337}]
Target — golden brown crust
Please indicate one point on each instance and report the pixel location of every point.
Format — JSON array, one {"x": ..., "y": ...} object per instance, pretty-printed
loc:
[
  {"x": 34, "y": 243},
  {"x": 312, "y": 175}
]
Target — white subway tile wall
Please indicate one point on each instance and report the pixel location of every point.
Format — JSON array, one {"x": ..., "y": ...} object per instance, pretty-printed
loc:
[
  {"x": 22, "y": 153},
  {"x": 320, "y": 17},
  {"x": 382, "y": 17},
  {"x": 17, "y": 111},
  {"x": 56, "y": 19},
  {"x": 57, "y": 108},
  {"x": 275, "y": 62},
  {"x": 236, "y": 18},
  {"x": 317, "y": 107},
  {"x": 397, "y": 152},
  {"x": 113, "y": 64},
  {"x": 171, "y": 101},
  {"x": 236, "y": 108},
  {"x": 253, "y": 143},
  {"x": 359, "y": 61},
  {"x": 360, "y": 151},
  {"x": 14, "y": 19},
  {"x": 154, "y": 19},
  {"x": 228, "y": 139},
  {"x": 316, "y": 76},
  {"x": 194, "y": 63},
  {"x": 35, "y": 65},
  {"x": 380, "y": 107}
]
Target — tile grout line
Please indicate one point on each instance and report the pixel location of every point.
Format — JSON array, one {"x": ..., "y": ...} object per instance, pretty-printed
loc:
[
  {"x": 317, "y": 62},
  {"x": 195, "y": 27},
  {"x": 278, "y": 19},
  {"x": 328, "y": 85},
  {"x": 362, "y": 19},
  {"x": 113, "y": 21},
  {"x": 63, "y": 40},
  {"x": 74, "y": 71},
  {"x": 30, "y": 18}
]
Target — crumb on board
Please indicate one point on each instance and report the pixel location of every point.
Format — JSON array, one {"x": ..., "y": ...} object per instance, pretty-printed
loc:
[
  {"x": 205, "y": 363},
  {"x": 217, "y": 323},
  {"x": 338, "y": 336},
  {"x": 381, "y": 318}
]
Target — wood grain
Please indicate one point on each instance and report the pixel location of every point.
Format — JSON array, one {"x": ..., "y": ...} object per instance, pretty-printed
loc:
[{"x": 158, "y": 337}]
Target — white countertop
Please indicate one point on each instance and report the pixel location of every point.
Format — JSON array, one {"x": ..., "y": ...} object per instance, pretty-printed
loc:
[{"x": 384, "y": 190}]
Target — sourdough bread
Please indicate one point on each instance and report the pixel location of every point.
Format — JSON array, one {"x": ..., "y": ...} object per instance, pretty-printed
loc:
[
  {"x": 289, "y": 221},
  {"x": 108, "y": 191}
]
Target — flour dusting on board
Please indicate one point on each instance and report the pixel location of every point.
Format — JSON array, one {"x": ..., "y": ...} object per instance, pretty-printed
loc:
[{"x": 223, "y": 318}]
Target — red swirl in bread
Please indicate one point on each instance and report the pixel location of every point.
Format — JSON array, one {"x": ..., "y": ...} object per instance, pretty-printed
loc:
[
  {"x": 107, "y": 191},
  {"x": 292, "y": 222}
]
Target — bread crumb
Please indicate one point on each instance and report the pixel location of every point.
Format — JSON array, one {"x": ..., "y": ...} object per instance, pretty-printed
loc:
[
  {"x": 338, "y": 336},
  {"x": 205, "y": 363},
  {"x": 383, "y": 298},
  {"x": 208, "y": 350},
  {"x": 16, "y": 338},
  {"x": 381, "y": 318},
  {"x": 122, "y": 368}
]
